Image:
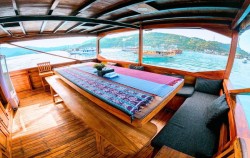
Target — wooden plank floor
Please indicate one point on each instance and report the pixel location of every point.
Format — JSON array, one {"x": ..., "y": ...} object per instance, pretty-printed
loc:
[{"x": 44, "y": 129}]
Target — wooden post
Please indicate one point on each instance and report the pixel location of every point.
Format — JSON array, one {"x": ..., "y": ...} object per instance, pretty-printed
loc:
[
  {"x": 140, "y": 54},
  {"x": 98, "y": 46},
  {"x": 232, "y": 53}
]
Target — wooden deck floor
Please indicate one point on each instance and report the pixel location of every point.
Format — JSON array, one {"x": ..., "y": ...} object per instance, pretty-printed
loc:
[{"x": 44, "y": 129}]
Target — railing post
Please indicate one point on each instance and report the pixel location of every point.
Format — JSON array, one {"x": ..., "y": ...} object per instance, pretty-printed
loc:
[
  {"x": 232, "y": 53},
  {"x": 140, "y": 54}
]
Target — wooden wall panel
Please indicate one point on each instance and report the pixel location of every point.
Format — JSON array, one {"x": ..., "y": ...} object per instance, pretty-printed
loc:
[
  {"x": 20, "y": 81},
  {"x": 35, "y": 79}
]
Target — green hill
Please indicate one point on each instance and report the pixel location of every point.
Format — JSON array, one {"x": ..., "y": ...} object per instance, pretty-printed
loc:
[{"x": 164, "y": 41}]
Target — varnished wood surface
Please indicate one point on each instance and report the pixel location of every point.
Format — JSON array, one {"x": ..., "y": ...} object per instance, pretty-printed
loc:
[
  {"x": 167, "y": 152},
  {"x": 43, "y": 129},
  {"x": 233, "y": 47},
  {"x": 120, "y": 134}
]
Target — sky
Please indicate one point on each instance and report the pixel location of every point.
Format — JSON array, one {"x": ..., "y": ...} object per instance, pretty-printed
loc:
[
  {"x": 244, "y": 41},
  {"x": 52, "y": 42}
]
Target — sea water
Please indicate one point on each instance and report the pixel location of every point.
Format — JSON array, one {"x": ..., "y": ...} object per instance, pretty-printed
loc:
[{"x": 190, "y": 61}]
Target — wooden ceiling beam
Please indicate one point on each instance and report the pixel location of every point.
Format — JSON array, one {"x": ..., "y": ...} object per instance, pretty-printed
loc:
[
  {"x": 197, "y": 18},
  {"x": 242, "y": 14},
  {"x": 53, "y": 6},
  {"x": 59, "y": 26},
  {"x": 76, "y": 12},
  {"x": 74, "y": 27},
  {"x": 63, "y": 18},
  {"x": 6, "y": 31},
  {"x": 14, "y": 4},
  {"x": 121, "y": 6}
]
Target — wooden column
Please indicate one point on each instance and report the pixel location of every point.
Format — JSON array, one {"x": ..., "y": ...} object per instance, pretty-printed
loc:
[
  {"x": 140, "y": 54},
  {"x": 232, "y": 53},
  {"x": 98, "y": 46}
]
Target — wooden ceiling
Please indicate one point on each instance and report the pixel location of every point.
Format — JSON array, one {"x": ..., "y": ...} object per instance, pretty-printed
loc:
[{"x": 26, "y": 19}]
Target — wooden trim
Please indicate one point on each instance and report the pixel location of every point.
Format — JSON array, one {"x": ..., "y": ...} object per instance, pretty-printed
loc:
[
  {"x": 63, "y": 18},
  {"x": 6, "y": 31},
  {"x": 231, "y": 119},
  {"x": 218, "y": 74},
  {"x": 238, "y": 91},
  {"x": 242, "y": 14},
  {"x": 232, "y": 53},
  {"x": 140, "y": 54}
]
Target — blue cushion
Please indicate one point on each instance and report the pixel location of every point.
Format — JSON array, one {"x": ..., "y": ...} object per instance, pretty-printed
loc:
[
  {"x": 187, "y": 132},
  {"x": 136, "y": 67},
  {"x": 186, "y": 91},
  {"x": 208, "y": 86},
  {"x": 176, "y": 75},
  {"x": 216, "y": 111}
]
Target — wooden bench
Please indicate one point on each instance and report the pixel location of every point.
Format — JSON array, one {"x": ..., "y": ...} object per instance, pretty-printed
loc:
[{"x": 108, "y": 128}]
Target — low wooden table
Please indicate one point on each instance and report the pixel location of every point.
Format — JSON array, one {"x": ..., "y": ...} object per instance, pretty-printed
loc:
[
  {"x": 140, "y": 118},
  {"x": 170, "y": 153},
  {"x": 108, "y": 128}
]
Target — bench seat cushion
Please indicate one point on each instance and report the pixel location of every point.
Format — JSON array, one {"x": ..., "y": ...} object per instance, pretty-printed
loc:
[
  {"x": 186, "y": 91},
  {"x": 187, "y": 132}
]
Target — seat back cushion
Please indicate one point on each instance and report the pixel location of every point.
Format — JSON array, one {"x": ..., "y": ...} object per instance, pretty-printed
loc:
[
  {"x": 208, "y": 86},
  {"x": 216, "y": 111}
]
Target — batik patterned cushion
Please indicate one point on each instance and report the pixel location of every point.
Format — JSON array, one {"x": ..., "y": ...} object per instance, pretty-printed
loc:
[{"x": 121, "y": 97}]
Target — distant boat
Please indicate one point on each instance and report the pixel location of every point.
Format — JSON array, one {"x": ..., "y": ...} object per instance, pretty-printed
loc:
[
  {"x": 162, "y": 53},
  {"x": 88, "y": 50},
  {"x": 244, "y": 60}
]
